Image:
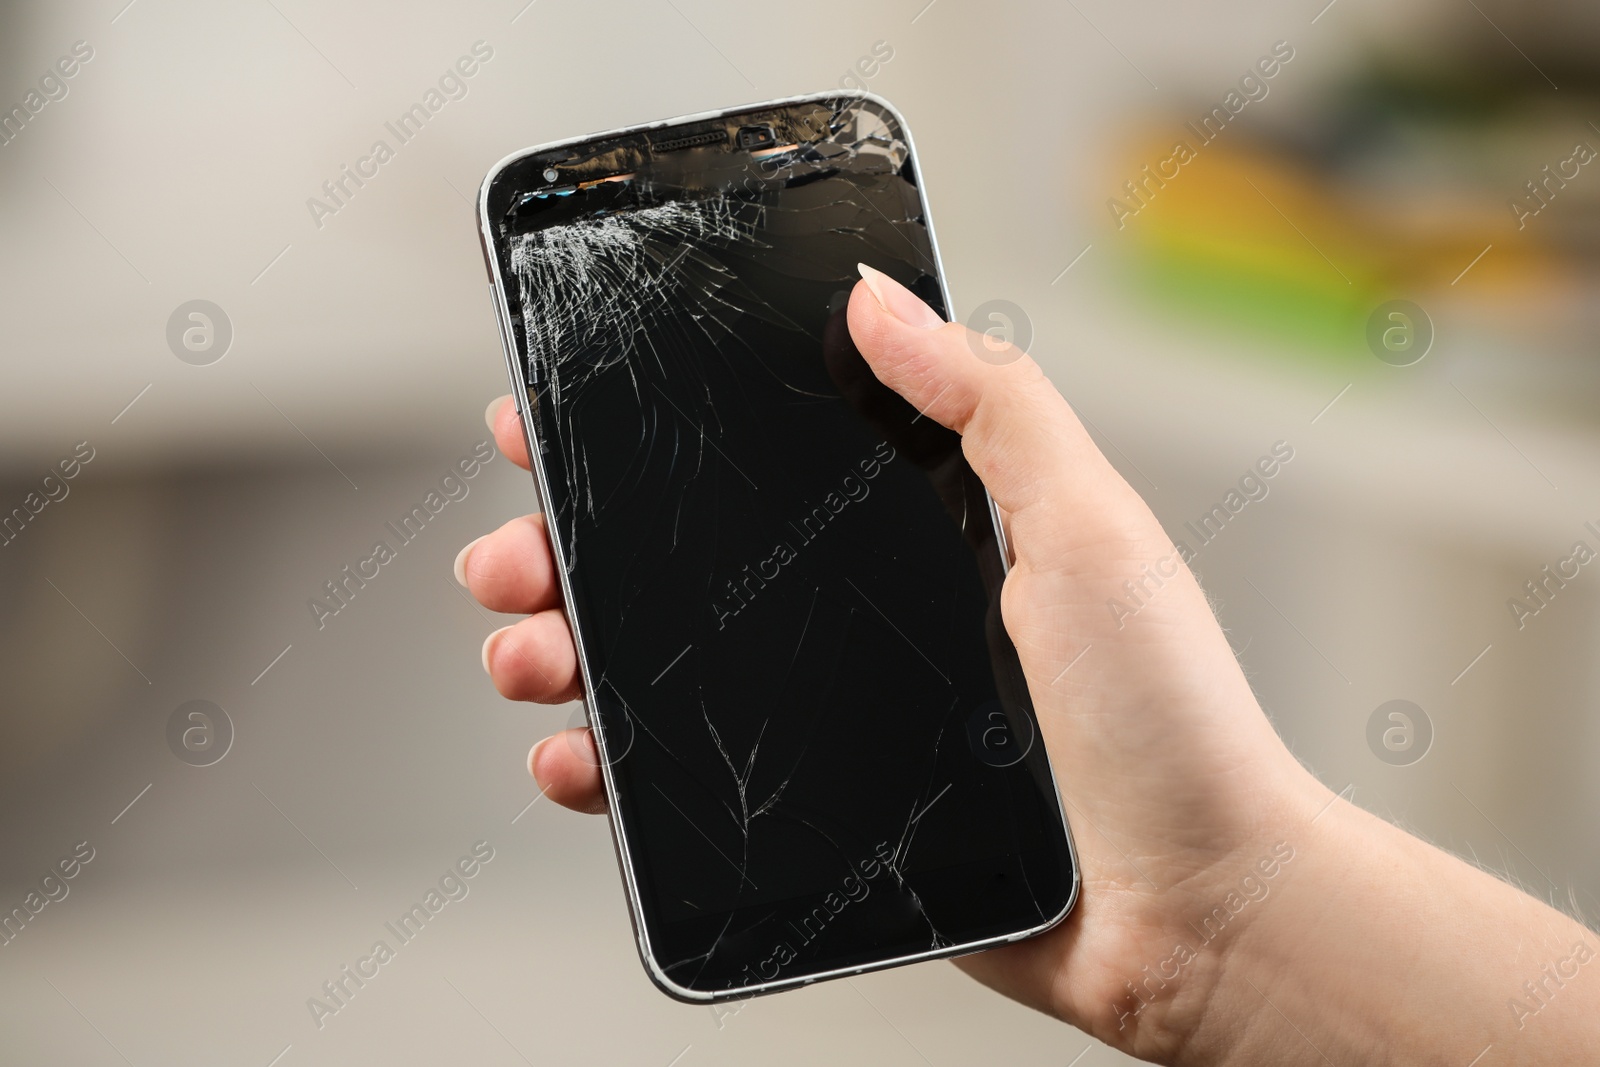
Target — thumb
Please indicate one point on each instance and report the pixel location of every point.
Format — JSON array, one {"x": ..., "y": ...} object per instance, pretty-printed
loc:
[{"x": 1017, "y": 431}]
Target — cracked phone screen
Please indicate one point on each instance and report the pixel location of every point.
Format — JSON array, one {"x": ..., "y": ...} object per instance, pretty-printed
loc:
[{"x": 784, "y": 583}]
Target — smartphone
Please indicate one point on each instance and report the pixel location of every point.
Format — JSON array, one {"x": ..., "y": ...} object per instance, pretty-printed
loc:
[{"x": 783, "y": 582}]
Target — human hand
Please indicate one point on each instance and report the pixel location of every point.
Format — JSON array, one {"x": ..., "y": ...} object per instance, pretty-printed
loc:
[{"x": 1181, "y": 796}]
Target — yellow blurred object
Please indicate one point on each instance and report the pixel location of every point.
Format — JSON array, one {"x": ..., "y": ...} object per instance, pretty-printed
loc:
[{"x": 1256, "y": 238}]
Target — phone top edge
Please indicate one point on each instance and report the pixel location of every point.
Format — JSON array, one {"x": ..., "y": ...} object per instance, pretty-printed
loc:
[{"x": 699, "y": 116}]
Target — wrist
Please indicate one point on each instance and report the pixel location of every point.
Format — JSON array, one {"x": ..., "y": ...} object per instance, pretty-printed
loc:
[
  {"x": 1223, "y": 920},
  {"x": 1253, "y": 927},
  {"x": 1381, "y": 949},
  {"x": 1288, "y": 983}
]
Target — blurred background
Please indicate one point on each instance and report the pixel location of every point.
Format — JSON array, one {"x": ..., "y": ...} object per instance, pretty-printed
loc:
[{"x": 223, "y": 468}]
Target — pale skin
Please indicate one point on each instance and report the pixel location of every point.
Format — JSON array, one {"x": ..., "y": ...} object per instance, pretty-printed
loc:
[{"x": 1366, "y": 946}]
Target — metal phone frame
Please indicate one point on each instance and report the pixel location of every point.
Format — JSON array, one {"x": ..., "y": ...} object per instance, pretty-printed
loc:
[{"x": 519, "y": 390}]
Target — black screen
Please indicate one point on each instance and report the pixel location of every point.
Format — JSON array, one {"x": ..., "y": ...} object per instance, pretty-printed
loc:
[{"x": 783, "y": 581}]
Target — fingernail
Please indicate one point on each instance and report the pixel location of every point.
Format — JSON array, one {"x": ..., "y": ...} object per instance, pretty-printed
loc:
[
  {"x": 899, "y": 301},
  {"x": 533, "y": 760},
  {"x": 488, "y": 647},
  {"x": 582, "y": 744},
  {"x": 461, "y": 560},
  {"x": 494, "y": 409}
]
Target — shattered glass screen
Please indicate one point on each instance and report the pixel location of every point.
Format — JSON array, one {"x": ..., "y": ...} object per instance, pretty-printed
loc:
[{"x": 785, "y": 582}]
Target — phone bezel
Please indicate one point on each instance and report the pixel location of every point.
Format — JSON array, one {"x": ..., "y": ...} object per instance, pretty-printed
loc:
[{"x": 519, "y": 388}]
